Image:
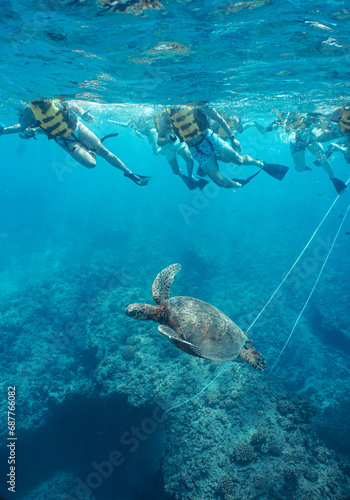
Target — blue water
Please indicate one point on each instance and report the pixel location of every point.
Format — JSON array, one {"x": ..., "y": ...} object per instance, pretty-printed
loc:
[{"x": 66, "y": 231}]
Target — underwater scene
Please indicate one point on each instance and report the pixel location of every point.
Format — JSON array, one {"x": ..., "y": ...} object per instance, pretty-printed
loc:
[{"x": 174, "y": 250}]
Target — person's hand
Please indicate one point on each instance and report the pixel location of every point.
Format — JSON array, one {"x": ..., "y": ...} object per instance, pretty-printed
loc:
[
  {"x": 172, "y": 138},
  {"x": 2, "y": 126},
  {"x": 87, "y": 117},
  {"x": 235, "y": 144},
  {"x": 28, "y": 134}
]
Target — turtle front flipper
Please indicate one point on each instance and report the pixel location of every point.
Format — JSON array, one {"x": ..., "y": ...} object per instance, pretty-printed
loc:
[
  {"x": 253, "y": 357},
  {"x": 179, "y": 343},
  {"x": 162, "y": 284}
]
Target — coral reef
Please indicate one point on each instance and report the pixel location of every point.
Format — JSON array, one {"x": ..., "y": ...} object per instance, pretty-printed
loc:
[
  {"x": 243, "y": 453},
  {"x": 246, "y": 437}
]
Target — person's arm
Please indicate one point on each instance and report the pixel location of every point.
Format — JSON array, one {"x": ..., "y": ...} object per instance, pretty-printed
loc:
[
  {"x": 274, "y": 125},
  {"x": 78, "y": 110},
  {"x": 121, "y": 124},
  {"x": 336, "y": 115},
  {"x": 214, "y": 115},
  {"x": 163, "y": 132},
  {"x": 28, "y": 120}
]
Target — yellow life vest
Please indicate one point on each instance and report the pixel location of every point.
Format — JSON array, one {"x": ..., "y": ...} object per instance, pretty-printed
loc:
[
  {"x": 185, "y": 124},
  {"x": 295, "y": 121},
  {"x": 344, "y": 122},
  {"x": 52, "y": 121}
]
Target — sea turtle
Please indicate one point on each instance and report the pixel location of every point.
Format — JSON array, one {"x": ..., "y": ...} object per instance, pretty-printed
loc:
[{"x": 194, "y": 326}]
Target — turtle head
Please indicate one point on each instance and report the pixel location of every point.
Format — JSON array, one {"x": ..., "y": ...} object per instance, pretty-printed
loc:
[{"x": 139, "y": 311}]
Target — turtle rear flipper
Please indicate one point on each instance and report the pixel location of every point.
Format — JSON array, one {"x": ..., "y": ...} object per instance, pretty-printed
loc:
[
  {"x": 162, "y": 284},
  {"x": 250, "y": 355},
  {"x": 179, "y": 343}
]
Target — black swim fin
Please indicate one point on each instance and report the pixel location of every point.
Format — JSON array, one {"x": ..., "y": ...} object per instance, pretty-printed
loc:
[
  {"x": 243, "y": 182},
  {"x": 140, "y": 180},
  {"x": 193, "y": 183},
  {"x": 275, "y": 170},
  {"x": 339, "y": 185},
  {"x": 201, "y": 183},
  {"x": 190, "y": 182},
  {"x": 108, "y": 136},
  {"x": 201, "y": 172}
]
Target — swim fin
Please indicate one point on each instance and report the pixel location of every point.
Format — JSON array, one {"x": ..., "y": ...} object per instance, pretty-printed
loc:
[
  {"x": 339, "y": 185},
  {"x": 275, "y": 170},
  {"x": 243, "y": 182},
  {"x": 201, "y": 183},
  {"x": 201, "y": 172},
  {"x": 140, "y": 180},
  {"x": 192, "y": 183},
  {"x": 189, "y": 181},
  {"x": 108, "y": 136}
]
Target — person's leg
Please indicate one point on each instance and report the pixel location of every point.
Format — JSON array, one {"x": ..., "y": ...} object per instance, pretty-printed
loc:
[
  {"x": 79, "y": 153},
  {"x": 299, "y": 160},
  {"x": 257, "y": 125},
  {"x": 247, "y": 125},
  {"x": 186, "y": 155},
  {"x": 212, "y": 170},
  {"x": 237, "y": 124},
  {"x": 152, "y": 137},
  {"x": 224, "y": 152},
  {"x": 92, "y": 142},
  {"x": 190, "y": 182},
  {"x": 317, "y": 150},
  {"x": 229, "y": 155},
  {"x": 174, "y": 166},
  {"x": 324, "y": 135},
  {"x": 169, "y": 153},
  {"x": 347, "y": 152}
]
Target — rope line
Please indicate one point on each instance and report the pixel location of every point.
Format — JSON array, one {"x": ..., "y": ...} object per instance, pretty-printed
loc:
[
  {"x": 296, "y": 262},
  {"x": 271, "y": 298},
  {"x": 310, "y": 294},
  {"x": 198, "y": 393}
]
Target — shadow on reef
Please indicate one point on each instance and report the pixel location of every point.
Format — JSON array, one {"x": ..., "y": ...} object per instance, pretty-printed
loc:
[
  {"x": 336, "y": 438},
  {"x": 107, "y": 446},
  {"x": 329, "y": 333}
]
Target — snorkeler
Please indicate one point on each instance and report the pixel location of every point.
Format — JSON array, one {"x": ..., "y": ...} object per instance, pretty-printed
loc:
[
  {"x": 338, "y": 129},
  {"x": 147, "y": 126},
  {"x": 57, "y": 120},
  {"x": 236, "y": 125},
  {"x": 143, "y": 127},
  {"x": 191, "y": 125},
  {"x": 171, "y": 147},
  {"x": 299, "y": 127}
]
